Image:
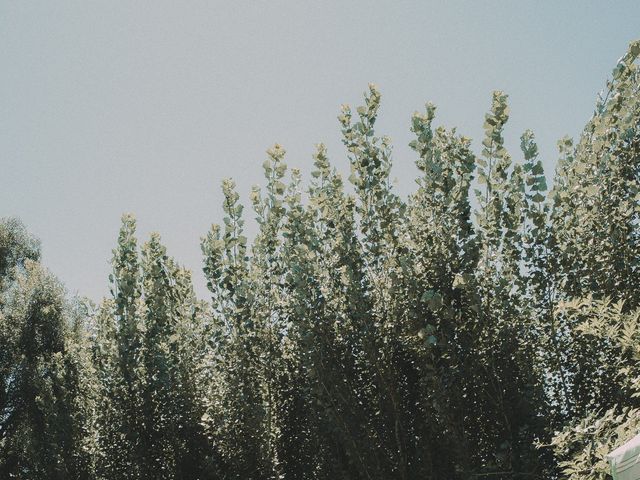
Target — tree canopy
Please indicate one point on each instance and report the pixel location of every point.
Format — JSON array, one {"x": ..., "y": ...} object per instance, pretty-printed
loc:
[{"x": 483, "y": 327}]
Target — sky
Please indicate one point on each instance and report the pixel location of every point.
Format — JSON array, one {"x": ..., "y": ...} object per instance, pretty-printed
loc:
[{"x": 109, "y": 107}]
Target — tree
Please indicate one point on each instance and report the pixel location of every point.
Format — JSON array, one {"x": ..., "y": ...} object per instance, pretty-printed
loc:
[
  {"x": 359, "y": 335},
  {"x": 46, "y": 380},
  {"x": 150, "y": 343}
]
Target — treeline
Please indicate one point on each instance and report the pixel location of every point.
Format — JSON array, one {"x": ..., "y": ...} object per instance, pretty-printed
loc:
[{"x": 360, "y": 335}]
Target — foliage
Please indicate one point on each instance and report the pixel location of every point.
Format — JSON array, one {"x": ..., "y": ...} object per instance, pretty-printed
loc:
[
  {"x": 45, "y": 375},
  {"x": 359, "y": 335}
]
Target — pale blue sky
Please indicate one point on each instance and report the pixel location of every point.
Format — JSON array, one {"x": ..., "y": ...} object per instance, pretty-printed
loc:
[{"x": 145, "y": 106}]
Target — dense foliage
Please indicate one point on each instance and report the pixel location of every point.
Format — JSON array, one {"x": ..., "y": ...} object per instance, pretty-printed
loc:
[{"x": 481, "y": 328}]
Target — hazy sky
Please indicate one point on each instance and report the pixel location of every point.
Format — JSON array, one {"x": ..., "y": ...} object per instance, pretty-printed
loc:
[{"x": 110, "y": 107}]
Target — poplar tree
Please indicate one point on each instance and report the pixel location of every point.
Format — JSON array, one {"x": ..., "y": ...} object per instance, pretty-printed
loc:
[{"x": 359, "y": 335}]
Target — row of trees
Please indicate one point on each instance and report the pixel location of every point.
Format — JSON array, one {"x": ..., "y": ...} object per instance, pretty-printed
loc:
[{"x": 360, "y": 335}]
